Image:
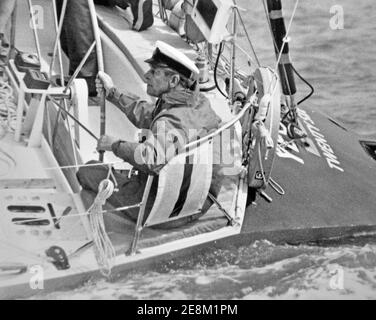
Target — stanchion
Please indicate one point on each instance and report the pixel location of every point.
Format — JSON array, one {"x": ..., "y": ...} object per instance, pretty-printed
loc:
[{"x": 97, "y": 37}]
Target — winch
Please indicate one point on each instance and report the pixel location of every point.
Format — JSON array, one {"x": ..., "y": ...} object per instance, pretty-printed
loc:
[
  {"x": 35, "y": 79},
  {"x": 25, "y": 61},
  {"x": 203, "y": 67}
]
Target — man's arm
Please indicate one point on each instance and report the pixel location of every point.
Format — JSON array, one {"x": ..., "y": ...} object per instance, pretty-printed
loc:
[
  {"x": 138, "y": 111},
  {"x": 162, "y": 144}
]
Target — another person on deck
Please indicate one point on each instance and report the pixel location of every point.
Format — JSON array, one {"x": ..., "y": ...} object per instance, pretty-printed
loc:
[
  {"x": 172, "y": 78},
  {"x": 6, "y": 10},
  {"x": 76, "y": 38},
  {"x": 142, "y": 11},
  {"x": 77, "y": 34},
  {"x": 180, "y": 20}
]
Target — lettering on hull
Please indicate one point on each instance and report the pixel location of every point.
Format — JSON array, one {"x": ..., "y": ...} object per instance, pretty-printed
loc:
[
  {"x": 317, "y": 146},
  {"x": 326, "y": 149}
]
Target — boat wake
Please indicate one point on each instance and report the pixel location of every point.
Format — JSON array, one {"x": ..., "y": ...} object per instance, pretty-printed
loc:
[{"x": 261, "y": 271}]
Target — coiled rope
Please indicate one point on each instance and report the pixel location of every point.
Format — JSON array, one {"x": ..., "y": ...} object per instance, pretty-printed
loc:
[
  {"x": 8, "y": 108},
  {"x": 104, "y": 250},
  {"x": 7, "y": 122}
]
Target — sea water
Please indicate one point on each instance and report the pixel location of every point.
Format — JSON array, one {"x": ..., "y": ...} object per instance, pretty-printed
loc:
[{"x": 338, "y": 57}]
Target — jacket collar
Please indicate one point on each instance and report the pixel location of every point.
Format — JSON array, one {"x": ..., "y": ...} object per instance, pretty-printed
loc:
[{"x": 180, "y": 97}]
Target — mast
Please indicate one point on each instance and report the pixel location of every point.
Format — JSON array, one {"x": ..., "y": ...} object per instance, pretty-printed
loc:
[{"x": 278, "y": 29}]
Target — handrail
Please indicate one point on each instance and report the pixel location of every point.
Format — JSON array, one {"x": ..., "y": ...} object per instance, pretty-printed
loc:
[{"x": 229, "y": 124}]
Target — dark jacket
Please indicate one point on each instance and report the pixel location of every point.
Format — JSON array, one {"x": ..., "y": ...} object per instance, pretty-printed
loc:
[
  {"x": 185, "y": 116},
  {"x": 182, "y": 114},
  {"x": 177, "y": 119}
]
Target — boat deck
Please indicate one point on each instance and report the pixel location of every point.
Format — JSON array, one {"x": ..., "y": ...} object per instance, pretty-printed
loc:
[
  {"x": 26, "y": 244},
  {"x": 33, "y": 188},
  {"x": 301, "y": 214}
]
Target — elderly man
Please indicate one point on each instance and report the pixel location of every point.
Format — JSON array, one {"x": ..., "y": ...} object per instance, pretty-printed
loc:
[{"x": 181, "y": 111}]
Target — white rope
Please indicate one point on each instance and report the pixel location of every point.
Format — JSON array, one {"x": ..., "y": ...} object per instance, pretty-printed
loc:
[
  {"x": 104, "y": 250},
  {"x": 7, "y": 122},
  {"x": 8, "y": 108}
]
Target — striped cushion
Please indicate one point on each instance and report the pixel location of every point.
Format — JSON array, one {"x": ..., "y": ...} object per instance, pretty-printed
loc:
[{"x": 183, "y": 185}]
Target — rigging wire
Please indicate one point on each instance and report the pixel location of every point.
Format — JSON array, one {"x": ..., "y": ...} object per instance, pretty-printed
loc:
[
  {"x": 58, "y": 29},
  {"x": 221, "y": 50},
  {"x": 83, "y": 165},
  {"x": 73, "y": 118},
  {"x": 285, "y": 40},
  {"x": 247, "y": 35},
  {"x": 80, "y": 214}
]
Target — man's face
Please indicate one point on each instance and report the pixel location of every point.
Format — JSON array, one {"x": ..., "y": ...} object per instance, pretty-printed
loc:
[{"x": 157, "y": 82}]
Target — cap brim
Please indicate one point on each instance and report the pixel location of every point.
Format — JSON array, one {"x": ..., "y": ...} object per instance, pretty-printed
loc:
[
  {"x": 150, "y": 61},
  {"x": 154, "y": 63}
]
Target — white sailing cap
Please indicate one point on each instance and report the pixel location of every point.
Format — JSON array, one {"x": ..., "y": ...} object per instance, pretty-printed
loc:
[{"x": 167, "y": 56}]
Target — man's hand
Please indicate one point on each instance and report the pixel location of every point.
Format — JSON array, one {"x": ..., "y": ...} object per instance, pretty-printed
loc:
[
  {"x": 105, "y": 143},
  {"x": 103, "y": 81}
]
